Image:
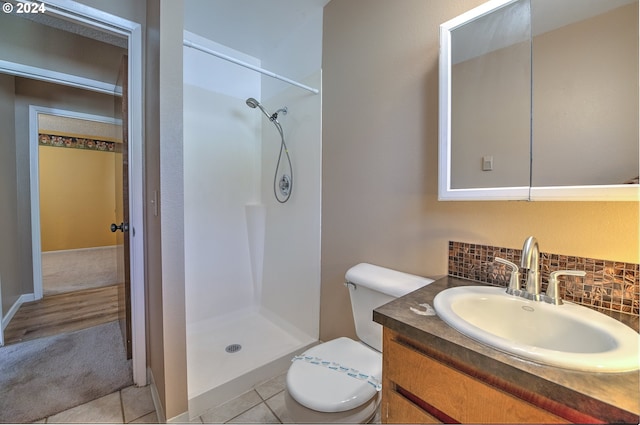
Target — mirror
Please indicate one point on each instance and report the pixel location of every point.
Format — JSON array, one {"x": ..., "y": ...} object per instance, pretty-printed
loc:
[{"x": 539, "y": 101}]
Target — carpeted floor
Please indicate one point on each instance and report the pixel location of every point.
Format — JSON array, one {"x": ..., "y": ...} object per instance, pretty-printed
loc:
[
  {"x": 77, "y": 269},
  {"x": 45, "y": 376}
]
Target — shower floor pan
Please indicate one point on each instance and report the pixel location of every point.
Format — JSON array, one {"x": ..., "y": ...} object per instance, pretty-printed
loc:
[{"x": 228, "y": 356}]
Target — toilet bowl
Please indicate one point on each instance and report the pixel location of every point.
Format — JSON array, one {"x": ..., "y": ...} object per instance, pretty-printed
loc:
[{"x": 339, "y": 381}]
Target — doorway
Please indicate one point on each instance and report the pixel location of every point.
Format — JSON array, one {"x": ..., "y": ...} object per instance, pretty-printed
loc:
[
  {"x": 99, "y": 21},
  {"x": 79, "y": 159},
  {"x": 80, "y": 196}
]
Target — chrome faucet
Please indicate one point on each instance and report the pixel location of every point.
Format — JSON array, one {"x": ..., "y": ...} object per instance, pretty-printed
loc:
[{"x": 530, "y": 262}]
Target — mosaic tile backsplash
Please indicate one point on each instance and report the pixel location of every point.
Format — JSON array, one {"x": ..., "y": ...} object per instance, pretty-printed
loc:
[{"x": 609, "y": 285}]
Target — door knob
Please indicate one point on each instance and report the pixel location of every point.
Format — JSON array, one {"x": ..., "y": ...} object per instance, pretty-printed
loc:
[{"x": 123, "y": 227}]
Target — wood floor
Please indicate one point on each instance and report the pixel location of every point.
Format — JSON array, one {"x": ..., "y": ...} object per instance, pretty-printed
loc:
[{"x": 56, "y": 314}]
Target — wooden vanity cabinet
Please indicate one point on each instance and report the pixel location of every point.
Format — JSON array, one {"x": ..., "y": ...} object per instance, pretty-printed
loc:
[{"x": 420, "y": 386}]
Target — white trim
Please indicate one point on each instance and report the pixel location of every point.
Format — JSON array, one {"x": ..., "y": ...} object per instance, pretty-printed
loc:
[
  {"x": 88, "y": 16},
  {"x": 136, "y": 207},
  {"x": 55, "y": 77},
  {"x": 34, "y": 183},
  {"x": 24, "y": 298},
  {"x": 445, "y": 191},
  {"x": 520, "y": 193},
  {"x": 34, "y": 155}
]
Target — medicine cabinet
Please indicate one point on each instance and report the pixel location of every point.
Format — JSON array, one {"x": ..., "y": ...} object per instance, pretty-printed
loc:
[{"x": 539, "y": 101}]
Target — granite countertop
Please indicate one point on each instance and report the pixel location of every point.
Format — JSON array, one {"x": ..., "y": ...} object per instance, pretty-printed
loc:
[{"x": 611, "y": 396}]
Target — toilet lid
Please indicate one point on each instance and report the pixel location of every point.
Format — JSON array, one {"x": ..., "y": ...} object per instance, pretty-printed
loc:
[{"x": 332, "y": 390}]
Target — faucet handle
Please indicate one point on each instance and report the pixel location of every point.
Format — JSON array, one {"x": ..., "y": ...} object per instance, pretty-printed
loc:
[
  {"x": 552, "y": 295},
  {"x": 514, "y": 281}
]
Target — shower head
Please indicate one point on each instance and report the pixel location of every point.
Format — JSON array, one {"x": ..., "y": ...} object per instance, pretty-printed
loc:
[{"x": 252, "y": 103}]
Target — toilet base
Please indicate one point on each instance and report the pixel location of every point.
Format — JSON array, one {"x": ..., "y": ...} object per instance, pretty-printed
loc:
[{"x": 361, "y": 414}]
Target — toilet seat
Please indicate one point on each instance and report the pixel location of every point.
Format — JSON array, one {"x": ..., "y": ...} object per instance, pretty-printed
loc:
[{"x": 327, "y": 390}]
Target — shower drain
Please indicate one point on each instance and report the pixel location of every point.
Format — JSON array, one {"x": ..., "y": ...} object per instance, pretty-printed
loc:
[{"x": 233, "y": 348}]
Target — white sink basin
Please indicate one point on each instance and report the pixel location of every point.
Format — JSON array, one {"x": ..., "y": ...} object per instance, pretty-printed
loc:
[{"x": 568, "y": 335}]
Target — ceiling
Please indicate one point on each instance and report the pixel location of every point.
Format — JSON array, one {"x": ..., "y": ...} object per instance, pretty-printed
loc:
[{"x": 254, "y": 27}]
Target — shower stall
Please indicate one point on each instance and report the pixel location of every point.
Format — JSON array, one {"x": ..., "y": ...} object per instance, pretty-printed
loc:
[{"x": 252, "y": 260}]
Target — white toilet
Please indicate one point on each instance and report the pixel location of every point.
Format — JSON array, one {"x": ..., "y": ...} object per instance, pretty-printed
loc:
[{"x": 339, "y": 381}]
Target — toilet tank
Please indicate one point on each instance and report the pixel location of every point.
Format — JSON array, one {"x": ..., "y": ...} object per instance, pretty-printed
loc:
[{"x": 370, "y": 287}]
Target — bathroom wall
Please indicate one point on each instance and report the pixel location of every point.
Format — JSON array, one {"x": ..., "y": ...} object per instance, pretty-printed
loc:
[
  {"x": 380, "y": 137},
  {"x": 166, "y": 177}
]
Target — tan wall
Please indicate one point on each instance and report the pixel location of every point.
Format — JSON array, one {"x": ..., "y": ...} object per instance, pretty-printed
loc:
[
  {"x": 166, "y": 323},
  {"x": 380, "y": 137},
  {"x": 153, "y": 260},
  {"x": 77, "y": 198},
  {"x": 172, "y": 206}
]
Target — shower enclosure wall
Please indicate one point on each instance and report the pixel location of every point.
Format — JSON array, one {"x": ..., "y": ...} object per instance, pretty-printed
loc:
[{"x": 252, "y": 264}]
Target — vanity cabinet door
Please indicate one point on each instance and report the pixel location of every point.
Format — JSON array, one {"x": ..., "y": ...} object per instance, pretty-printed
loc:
[
  {"x": 396, "y": 409},
  {"x": 446, "y": 394}
]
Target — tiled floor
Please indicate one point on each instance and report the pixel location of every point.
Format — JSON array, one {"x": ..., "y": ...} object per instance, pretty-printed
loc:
[
  {"x": 262, "y": 405},
  {"x": 129, "y": 405}
]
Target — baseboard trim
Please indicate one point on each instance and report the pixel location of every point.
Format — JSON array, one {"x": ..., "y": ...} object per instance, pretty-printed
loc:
[
  {"x": 182, "y": 418},
  {"x": 24, "y": 298},
  {"x": 155, "y": 396},
  {"x": 74, "y": 250}
]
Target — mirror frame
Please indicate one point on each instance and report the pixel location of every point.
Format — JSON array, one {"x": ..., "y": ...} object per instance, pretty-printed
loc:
[{"x": 619, "y": 192}]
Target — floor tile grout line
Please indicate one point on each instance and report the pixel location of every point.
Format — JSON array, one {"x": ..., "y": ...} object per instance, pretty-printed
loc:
[
  {"x": 271, "y": 410},
  {"x": 253, "y": 407}
]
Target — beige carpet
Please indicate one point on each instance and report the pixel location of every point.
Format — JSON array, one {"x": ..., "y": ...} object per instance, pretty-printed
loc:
[
  {"x": 49, "y": 375},
  {"x": 74, "y": 270}
]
